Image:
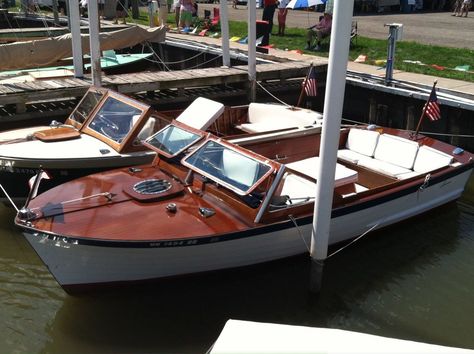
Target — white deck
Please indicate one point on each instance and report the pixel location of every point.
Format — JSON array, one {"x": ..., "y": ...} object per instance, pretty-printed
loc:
[{"x": 253, "y": 337}]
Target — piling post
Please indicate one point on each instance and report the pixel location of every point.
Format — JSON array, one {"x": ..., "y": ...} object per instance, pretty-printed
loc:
[
  {"x": 76, "y": 38},
  {"x": 333, "y": 102},
  {"x": 94, "y": 41},
  {"x": 225, "y": 33},
  {"x": 252, "y": 50},
  {"x": 395, "y": 33}
]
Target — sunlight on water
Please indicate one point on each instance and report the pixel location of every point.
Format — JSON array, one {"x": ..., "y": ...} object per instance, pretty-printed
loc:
[
  {"x": 29, "y": 297},
  {"x": 410, "y": 281}
]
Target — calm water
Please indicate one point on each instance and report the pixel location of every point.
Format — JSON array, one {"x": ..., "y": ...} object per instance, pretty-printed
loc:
[{"x": 414, "y": 281}]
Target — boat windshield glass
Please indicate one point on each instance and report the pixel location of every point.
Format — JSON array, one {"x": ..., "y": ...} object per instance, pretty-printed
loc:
[
  {"x": 172, "y": 140},
  {"x": 115, "y": 119},
  {"x": 87, "y": 104},
  {"x": 228, "y": 167}
]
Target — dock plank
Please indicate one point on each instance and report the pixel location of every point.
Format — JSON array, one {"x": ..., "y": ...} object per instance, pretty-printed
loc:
[{"x": 133, "y": 83}]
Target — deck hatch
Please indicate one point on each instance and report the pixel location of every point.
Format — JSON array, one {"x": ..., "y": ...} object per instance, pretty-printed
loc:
[{"x": 152, "y": 186}]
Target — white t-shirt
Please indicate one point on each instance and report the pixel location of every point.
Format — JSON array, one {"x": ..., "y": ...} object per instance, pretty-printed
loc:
[{"x": 283, "y": 3}]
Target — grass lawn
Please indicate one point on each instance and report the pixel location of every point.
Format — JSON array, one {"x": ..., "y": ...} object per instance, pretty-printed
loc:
[{"x": 375, "y": 49}]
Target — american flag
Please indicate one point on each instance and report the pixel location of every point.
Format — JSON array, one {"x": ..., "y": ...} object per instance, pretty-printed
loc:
[
  {"x": 431, "y": 108},
  {"x": 310, "y": 84}
]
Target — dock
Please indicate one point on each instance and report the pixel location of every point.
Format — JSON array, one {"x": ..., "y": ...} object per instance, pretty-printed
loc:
[{"x": 20, "y": 100}]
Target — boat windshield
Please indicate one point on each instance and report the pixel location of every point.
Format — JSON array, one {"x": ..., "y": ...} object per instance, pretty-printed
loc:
[
  {"x": 115, "y": 119},
  {"x": 231, "y": 168},
  {"x": 85, "y": 107},
  {"x": 172, "y": 140}
]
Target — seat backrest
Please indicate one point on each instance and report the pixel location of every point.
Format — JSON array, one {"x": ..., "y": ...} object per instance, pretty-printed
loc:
[
  {"x": 201, "y": 113},
  {"x": 396, "y": 150},
  {"x": 429, "y": 159},
  {"x": 362, "y": 141},
  {"x": 148, "y": 129}
]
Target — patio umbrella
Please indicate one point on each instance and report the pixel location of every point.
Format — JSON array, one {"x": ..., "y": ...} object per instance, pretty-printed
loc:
[{"x": 297, "y": 4}]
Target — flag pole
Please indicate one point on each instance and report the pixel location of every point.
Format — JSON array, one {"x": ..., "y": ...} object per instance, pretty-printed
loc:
[
  {"x": 415, "y": 135},
  {"x": 303, "y": 87}
]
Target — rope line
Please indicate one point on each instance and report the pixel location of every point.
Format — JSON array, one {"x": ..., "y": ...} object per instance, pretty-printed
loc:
[
  {"x": 299, "y": 231},
  {"x": 354, "y": 240},
  {"x": 271, "y": 95}
]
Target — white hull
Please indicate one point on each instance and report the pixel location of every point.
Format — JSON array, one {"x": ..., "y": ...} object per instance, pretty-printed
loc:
[{"x": 75, "y": 264}]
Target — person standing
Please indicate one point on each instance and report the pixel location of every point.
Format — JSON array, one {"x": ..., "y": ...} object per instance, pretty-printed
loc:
[
  {"x": 186, "y": 13},
  {"x": 269, "y": 7},
  {"x": 457, "y": 8},
  {"x": 163, "y": 11},
  {"x": 120, "y": 11},
  {"x": 177, "y": 7},
  {"x": 282, "y": 12},
  {"x": 466, "y": 5}
]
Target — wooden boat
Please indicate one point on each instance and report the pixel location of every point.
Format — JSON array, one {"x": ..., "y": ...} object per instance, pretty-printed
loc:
[
  {"x": 109, "y": 61},
  {"x": 106, "y": 131},
  {"x": 208, "y": 203}
]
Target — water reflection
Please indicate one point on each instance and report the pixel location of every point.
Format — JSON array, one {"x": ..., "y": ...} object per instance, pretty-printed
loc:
[
  {"x": 412, "y": 281},
  {"x": 398, "y": 282}
]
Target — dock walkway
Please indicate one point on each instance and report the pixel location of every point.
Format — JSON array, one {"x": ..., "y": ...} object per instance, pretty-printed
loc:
[
  {"x": 21, "y": 94},
  {"x": 285, "y": 65}
]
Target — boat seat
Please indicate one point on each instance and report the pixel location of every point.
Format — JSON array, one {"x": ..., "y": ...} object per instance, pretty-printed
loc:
[
  {"x": 148, "y": 129},
  {"x": 393, "y": 156},
  {"x": 297, "y": 188},
  {"x": 428, "y": 159},
  {"x": 310, "y": 167},
  {"x": 201, "y": 113},
  {"x": 264, "y": 117},
  {"x": 361, "y": 143}
]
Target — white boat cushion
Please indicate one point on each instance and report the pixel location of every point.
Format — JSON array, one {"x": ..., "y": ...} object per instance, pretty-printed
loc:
[
  {"x": 397, "y": 151},
  {"x": 298, "y": 187},
  {"x": 362, "y": 141},
  {"x": 148, "y": 129},
  {"x": 383, "y": 167},
  {"x": 350, "y": 156},
  {"x": 201, "y": 113},
  {"x": 310, "y": 167},
  {"x": 429, "y": 159},
  {"x": 266, "y": 117},
  {"x": 262, "y": 127}
]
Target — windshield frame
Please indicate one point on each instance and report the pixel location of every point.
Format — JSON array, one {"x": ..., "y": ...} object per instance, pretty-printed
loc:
[
  {"x": 93, "y": 89},
  {"x": 238, "y": 150},
  {"x": 179, "y": 125},
  {"x": 129, "y": 137}
]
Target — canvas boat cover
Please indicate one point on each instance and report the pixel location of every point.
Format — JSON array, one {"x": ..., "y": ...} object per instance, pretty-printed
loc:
[{"x": 45, "y": 52}]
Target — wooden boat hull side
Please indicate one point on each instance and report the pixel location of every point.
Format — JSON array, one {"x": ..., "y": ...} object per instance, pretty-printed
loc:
[{"x": 79, "y": 262}]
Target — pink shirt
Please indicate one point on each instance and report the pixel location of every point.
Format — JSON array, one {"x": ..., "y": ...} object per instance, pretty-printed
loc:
[{"x": 325, "y": 24}]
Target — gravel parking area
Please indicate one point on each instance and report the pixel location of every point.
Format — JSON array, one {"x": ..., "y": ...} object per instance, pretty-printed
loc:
[{"x": 435, "y": 28}]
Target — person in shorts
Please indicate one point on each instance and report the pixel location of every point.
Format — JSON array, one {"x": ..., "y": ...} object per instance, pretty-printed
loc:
[
  {"x": 120, "y": 11},
  {"x": 186, "y": 13},
  {"x": 282, "y": 12}
]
